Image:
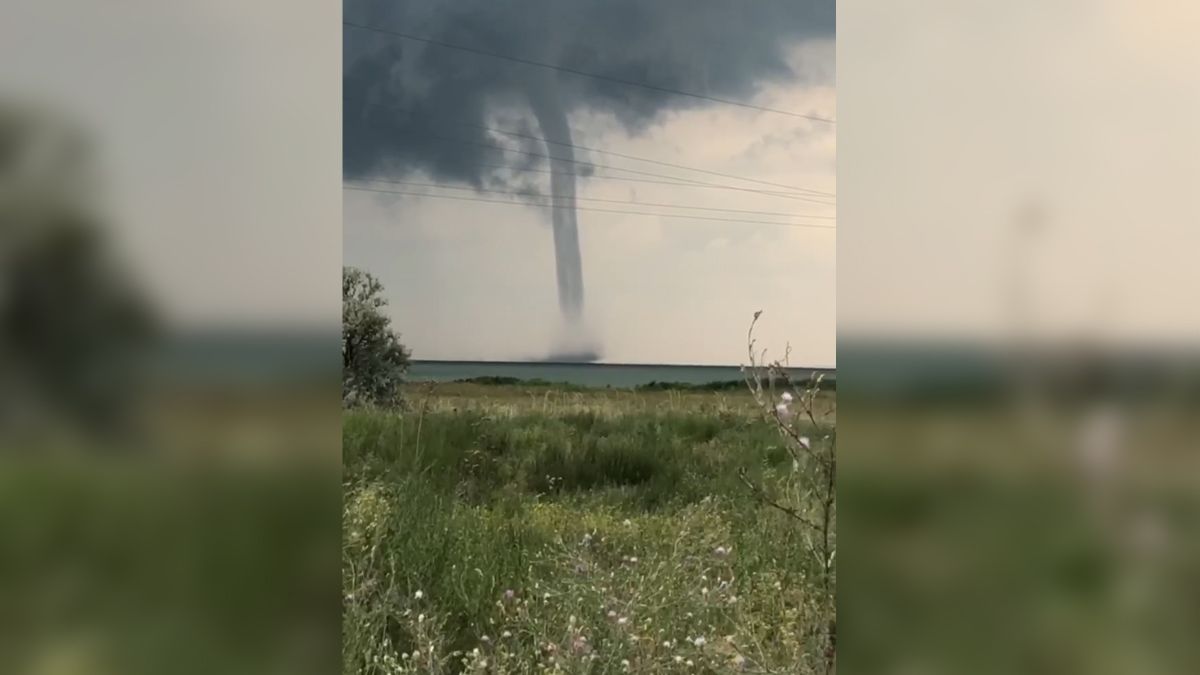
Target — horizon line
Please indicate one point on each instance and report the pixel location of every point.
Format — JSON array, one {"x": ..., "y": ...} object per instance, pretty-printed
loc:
[{"x": 607, "y": 363}]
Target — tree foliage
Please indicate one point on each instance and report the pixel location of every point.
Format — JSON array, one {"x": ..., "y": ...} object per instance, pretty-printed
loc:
[
  {"x": 373, "y": 359},
  {"x": 75, "y": 329}
]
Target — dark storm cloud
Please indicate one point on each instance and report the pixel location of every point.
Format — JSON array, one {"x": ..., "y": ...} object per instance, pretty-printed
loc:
[{"x": 410, "y": 106}]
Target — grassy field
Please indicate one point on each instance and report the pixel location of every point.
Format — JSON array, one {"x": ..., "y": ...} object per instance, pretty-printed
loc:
[{"x": 505, "y": 529}]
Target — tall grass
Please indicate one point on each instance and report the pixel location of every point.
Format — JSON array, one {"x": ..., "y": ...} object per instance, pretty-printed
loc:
[{"x": 589, "y": 537}]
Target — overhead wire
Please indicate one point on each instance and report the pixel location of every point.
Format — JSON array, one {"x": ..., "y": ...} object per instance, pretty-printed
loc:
[{"x": 585, "y": 208}]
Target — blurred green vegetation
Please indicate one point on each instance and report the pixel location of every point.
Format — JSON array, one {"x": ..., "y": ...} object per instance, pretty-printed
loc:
[
  {"x": 115, "y": 567},
  {"x": 973, "y": 545}
]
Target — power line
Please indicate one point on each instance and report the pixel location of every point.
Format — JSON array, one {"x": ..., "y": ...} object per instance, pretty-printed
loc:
[
  {"x": 584, "y": 208},
  {"x": 539, "y": 64},
  {"x": 598, "y": 199},
  {"x": 635, "y": 158},
  {"x": 784, "y": 195},
  {"x": 593, "y": 165},
  {"x": 651, "y": 161}
]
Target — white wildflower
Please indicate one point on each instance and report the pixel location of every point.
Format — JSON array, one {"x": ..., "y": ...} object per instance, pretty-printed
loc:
[
  {"x": 506, "y": 634},
  {"x": 806, "y": 443},
  {"x": 700, "y": 641},
  {"x": 622, "y": 621},
  {"x": 627, "y": 522},
  {"x": 420, "y": 618},
  {"x": 786, "y": 397},
  {"x": 419, "y": 594}
]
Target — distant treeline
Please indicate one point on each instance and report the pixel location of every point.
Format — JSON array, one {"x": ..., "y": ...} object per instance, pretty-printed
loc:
[{"x": 725, "y": 385}]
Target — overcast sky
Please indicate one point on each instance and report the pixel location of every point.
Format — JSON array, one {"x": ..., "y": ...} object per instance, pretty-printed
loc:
[
  {"x": 216, "y": 127},
  {"x": 958, "y": 116},
  {"x": 469, "y": 280}
]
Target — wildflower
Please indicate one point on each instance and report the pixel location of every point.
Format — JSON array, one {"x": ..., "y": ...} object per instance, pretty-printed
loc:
[
  {"x": 704, "y": 591},
  {"x": 419, "y": 594},
  {"x": 416, "y": 654},
  {"x": 612, "y": 614},
  {"x": 786, "y": 397},
  {"x": 700, "y": 641},
  {"x": 545, "y": 596},
  {"x": 678, "y": 659},
  {"x": 622, "y": 621},
  {"x": 806, "y": 443},
  {"x": 739, "y": 661},
  {"x": 633, "y": 559},
  {"x": 506, "y": 634},
  {"x": 627, "y": 522},
  {"x": 485, "y": 639},
  {"x": 625, "y": 664},
  {"x": 783, "y": 412},
  {"x": 721, "y": 552},
  {"x": 667, "y": 644},
  {"x": 690, "y": 663},
  {"x": 587, "y": 538},
  {"x": 420, "y": 618},
  {"x": 509, "y": 594}
]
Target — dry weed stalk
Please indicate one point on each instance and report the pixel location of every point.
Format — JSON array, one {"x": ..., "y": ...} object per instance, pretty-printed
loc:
[{"x": 812, "y": 504}]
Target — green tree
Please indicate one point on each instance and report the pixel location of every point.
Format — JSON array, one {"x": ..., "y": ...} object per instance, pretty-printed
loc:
[
  {"x": 75, "y": 329},
  {"x": 373, "y": 359}
]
